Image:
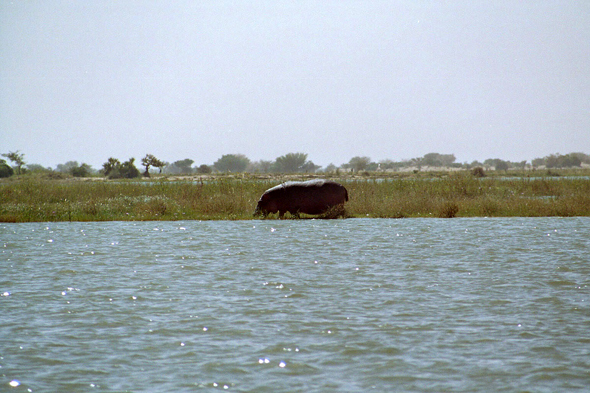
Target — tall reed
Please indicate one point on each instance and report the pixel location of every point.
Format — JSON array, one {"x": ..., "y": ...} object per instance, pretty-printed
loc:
[
  {"x": 456, "y": 195},
  {"x": 462, "y": 195}
]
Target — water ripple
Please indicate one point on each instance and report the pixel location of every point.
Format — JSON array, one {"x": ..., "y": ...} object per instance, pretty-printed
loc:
[{"x": 341, "y": 305}]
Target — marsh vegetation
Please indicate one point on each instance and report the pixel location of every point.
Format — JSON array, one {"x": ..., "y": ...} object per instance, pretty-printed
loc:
[{"x": 444, "y": 194}]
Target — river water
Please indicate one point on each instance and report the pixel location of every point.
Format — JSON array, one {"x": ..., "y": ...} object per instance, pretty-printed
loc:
[{"x": 416, "y": 305}]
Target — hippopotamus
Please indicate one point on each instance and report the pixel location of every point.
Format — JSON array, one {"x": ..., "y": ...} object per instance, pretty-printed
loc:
[{"x": 309, "y": 197}]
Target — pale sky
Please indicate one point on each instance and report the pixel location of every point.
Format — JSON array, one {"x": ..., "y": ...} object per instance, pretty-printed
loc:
[{"x": 88, "y": 80}]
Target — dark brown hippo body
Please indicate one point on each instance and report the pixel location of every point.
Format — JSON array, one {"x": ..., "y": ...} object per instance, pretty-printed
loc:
[{"x": 309, "y": 197}]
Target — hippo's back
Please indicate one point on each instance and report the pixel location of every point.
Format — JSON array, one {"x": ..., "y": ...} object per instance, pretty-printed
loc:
[{"x": 312, "y": 197}]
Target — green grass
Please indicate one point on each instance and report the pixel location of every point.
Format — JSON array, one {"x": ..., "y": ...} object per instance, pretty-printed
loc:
[
  {"x": 454, "y": 194},
  {"x": 464, "y": 196}
]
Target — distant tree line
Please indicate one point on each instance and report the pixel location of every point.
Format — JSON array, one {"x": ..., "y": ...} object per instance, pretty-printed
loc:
[
  {"x": 562, "y": 161},
  {"x": 113, "y": 168},
  {"x": 237, "y": 163}
]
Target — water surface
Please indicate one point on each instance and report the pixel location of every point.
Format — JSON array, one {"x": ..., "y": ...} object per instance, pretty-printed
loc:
[{"x": 418, "y": 305}]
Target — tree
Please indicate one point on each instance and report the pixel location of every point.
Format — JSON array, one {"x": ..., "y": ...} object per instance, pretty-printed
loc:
[
  {"x": 561, "y": 161},
  {"x": 359, "y": 163},
  {"x": 81, "y": 171},
  {"x": 184, "y": 166},
  {"x": 17, "y": 158},
  {"x": 5, "y": 169},
  {"x": 431, "y": 159},
  {"x": 151, "y": 160},
  {"x": 498, "y": 164},
  {"x": 74, "y": 169},
  {"x": 390, "y": 164},
  {"x": 261, "y": 166},
  {"x": 67, "y": 167},
  {"x": 160, "y": 165},
  {"x": 501, "y": 165},
  {"x": 584, "y": 158},
  {"x": 436, "y": 159},
  {"x": 290, "y": 163},
  {"x": 571, "y": 160},
  {"x": 128, "y": 169},
  {"x": 37, "y": 168},
  {"x": 204, "y": 169},
  {"x": 330, "y": 168},
  {"x": 110, "y": 166},
  {"x": 418, "y": 162},
  {"x": 310, "y": 167},
  {"x": 232, "y": 163},
  {"x": 113, "y": 169},
  {"x": 551, "y": 161}
]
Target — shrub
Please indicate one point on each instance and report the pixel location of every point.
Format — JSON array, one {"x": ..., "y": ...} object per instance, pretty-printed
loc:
[
  {"x": 478, "y": 172},
  {"x": 113, "y": 169},
  {"x": 204, "y": 169},
  {"x": 80, "y": 171},
  {"x": 448, "y": 210},
  {"x": 5, "y": 170},
  {"x": 232, "y": 163}
]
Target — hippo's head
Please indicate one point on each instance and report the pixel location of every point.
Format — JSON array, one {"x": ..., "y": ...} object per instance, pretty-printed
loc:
[{"x": 265, "y": 205}]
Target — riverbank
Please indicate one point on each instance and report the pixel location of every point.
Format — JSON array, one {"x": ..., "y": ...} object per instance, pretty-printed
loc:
[{"x": 223, "y": 197}]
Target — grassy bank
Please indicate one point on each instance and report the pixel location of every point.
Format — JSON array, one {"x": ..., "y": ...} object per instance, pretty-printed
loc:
[{"x": 442, "y": 195}]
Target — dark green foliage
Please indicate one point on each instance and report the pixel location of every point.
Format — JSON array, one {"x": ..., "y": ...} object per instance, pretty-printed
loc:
[
  {"x": 181, "y": 166},
  {"x": 438, "y": 160},
  {"x": 290, "y": 163},
  {"x": 293, "y": 163},
  {"x": 204, "y": 169},
  {"x": 563, "y": 161},
  {"x": 359, "y": 163},
  {"x": 83, "y": 170},
  {"x": 37, "y": 168},
  {"x": 113, "y": 169},
  {"x": 67, "y": 167},
  {"x": 232, "y": 163},
  {"x": 498, "y": 164},
  {"x": 261, "y": 166},
  {"x": 110, "y": 166},
  {"x": 5, "y": 169},
  {"x": 74, "y": 169},
  {"x": 128, "y": 169},
  {"x": 151, "y": 160},
  {"x": 478, "y": 172},
  {"x": 571, "y": 160},
  {"x": 17, "y": 158}
]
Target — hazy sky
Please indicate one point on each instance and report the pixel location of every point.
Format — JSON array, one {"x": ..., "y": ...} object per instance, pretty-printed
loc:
[{"x": 87, "y": 80}]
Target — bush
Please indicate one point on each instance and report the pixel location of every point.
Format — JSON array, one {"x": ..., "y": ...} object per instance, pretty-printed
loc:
[
  {"x": 204, "y": 169},
  {"x": 232, "y": 163},
  {"x": 5, "y": 170},
  {"x": 80, "y": 171},
  {"x": 448, "y": 210},
  {"x": 478, "y": 172},
  {"x": 113, "y": 169}
]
